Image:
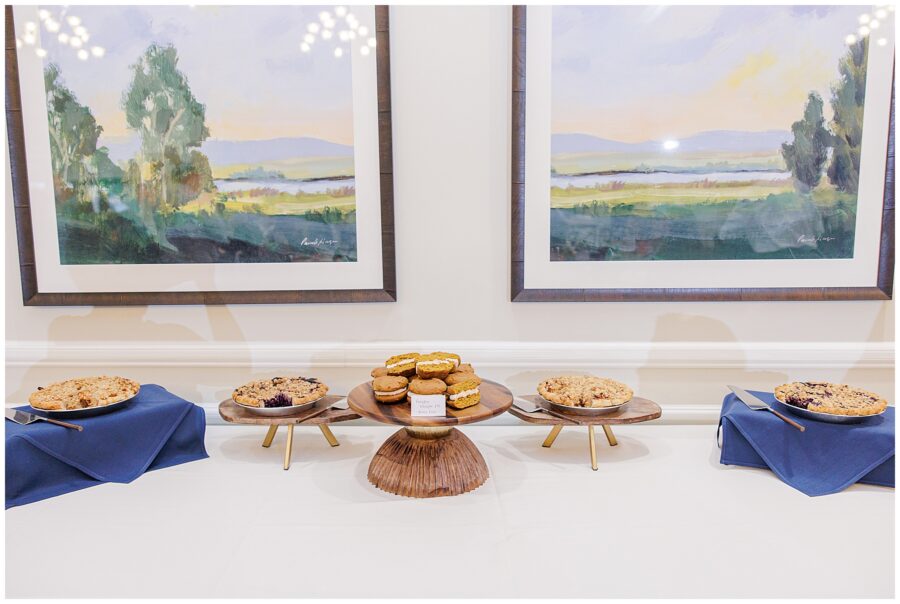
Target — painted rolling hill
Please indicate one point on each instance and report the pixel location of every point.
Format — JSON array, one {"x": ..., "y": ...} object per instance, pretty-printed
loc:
[
  {"x": 713, "y": 140},
  {"x": 226, "y": 152}
]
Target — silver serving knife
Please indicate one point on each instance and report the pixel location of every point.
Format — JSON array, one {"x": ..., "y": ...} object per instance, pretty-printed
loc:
[
  {"x": 758, "y": 404},
  {"x": 24, "y": 418},
  {"x": 338, "y": 405},
  {"x": 529, "y": 407}
]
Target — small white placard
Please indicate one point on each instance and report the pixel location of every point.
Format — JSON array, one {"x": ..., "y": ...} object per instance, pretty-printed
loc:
[{"x": 428, "y": 405}]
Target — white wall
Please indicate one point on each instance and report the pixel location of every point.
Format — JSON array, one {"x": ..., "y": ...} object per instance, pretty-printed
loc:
[{"x": 450, "y": 81}]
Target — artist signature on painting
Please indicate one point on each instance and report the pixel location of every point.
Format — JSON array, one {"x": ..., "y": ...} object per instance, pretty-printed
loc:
[
  {"x": 319, "y": 242},
  {"x": 813, "y": 239}
]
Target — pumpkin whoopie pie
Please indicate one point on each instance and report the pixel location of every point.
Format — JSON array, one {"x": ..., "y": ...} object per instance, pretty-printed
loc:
[
  {"x": 379, "y": 372},
  {"x": 427, "y": 386},
  {"x": 434, "y": 365},
  {"x": 454, "y": 358},
  {"x": 390, "y": 388},
  {"x": 456, "y": 378},
  {"x": 402, "y": 364},
  {"x": 463, "y": 394}
]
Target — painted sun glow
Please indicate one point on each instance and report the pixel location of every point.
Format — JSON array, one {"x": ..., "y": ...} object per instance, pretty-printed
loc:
[{"x": 670, "y": 145}]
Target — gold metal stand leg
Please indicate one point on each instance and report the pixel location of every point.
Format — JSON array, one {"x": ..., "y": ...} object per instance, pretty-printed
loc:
[
  {"x": 270, "y": 435},
  {"x": 329, "y": 436},
  {"x": 287, "y": 447},
  {"x": 593, "y": 447},
  {"x": 548, "y": 442},
  {"x": 610, "y": 436}
]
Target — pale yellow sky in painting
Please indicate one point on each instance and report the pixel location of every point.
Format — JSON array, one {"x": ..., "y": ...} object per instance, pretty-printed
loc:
[
  {"x": 677, "y": 71},
  {"x": 231, "y": 124},
  {"x": 243, "y": 63}
]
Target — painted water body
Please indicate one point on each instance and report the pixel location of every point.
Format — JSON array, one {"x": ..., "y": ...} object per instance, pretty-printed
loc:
[
  {"x": 657, "y": 178},
  {"x": 284, "y": 185}
]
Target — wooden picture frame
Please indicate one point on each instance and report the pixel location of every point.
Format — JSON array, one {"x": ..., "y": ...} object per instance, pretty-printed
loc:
[
  {"x": 882, "y": 290},
  {"x": 31, "y": 294}
]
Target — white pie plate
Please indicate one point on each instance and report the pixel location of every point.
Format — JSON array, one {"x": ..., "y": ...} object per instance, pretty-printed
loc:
[
  {"x": 590, "y": 411},
  {"x": 831, "y": 418},
  {"x": 86, "y": 412},
  {"x": 279, "y": 411}
]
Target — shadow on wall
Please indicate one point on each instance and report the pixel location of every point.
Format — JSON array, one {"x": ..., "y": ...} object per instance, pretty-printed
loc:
[
  {"x": 861, "y": 376},
  {"x": 661, "y": 378},
  {"x": 130, "y": 324},
  {"x": 710, "y": 384}
]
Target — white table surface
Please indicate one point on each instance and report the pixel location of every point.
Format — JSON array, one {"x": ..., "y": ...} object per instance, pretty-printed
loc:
[{"x": 660, "y": 518}]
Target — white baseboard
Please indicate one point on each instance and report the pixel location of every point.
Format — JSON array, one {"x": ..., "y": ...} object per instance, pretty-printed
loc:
[{"x": 548, "y": 355}]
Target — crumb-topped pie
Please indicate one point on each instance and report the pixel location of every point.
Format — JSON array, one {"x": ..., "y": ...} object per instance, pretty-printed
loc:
[
  {"x": 280, "y": 392},
  {"x": 825, "y": 397},
  {"x": 83, "y": 393},
  {"x": 585, "y": 391}
]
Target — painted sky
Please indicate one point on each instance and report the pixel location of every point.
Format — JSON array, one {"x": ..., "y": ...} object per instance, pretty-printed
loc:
[
  {"x": 243, "y": 63},
  {"x": 638, "y": 73}
]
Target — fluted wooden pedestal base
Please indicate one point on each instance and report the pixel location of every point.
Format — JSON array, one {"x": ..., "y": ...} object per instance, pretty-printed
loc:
[{"x": 428, "y": 462}]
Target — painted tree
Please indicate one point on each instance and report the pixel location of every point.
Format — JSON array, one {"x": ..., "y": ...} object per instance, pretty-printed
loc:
[
  {"x": 73, "y": 135},
  {"x": 848, "y": 96},
  {"x": 159, "y": 105},
  {"x": 806, "y": 155}
]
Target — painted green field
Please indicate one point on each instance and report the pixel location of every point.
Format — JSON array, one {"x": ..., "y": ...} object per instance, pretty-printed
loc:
[
  {"x": 302, "y": 168},
  {"x": 680, "y": 194},
  {"x": 272, "y": 203},
  {"x": 587, "y": 163},
  {"x": 702, "y": 225}
]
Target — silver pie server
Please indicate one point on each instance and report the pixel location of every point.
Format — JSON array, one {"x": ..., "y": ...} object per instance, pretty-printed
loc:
[
  {"x": 758, "y": 404},
  {"x": 24, "y": 418},
  {"x": 529, "y": 407}
]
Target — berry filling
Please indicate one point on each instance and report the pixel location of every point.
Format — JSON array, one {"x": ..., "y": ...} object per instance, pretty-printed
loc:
[{"x": 279, "y": 400}]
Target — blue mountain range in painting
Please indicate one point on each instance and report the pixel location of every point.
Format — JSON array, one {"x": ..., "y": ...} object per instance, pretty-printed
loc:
[
  {"x": 225, "y": 152},
  {"x": 713, "y": 140}
]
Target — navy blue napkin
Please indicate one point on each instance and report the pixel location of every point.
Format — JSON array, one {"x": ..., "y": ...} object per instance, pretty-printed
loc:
[
  {"x": 156, "y": 430},
  {"x": 825, "y": 459}
]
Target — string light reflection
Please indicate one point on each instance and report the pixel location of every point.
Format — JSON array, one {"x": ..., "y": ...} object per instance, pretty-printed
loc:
[
  {"x": 76, "y": 38},
  {"x": 340, "y": 35},
  {"x": 869, "y": 22}
]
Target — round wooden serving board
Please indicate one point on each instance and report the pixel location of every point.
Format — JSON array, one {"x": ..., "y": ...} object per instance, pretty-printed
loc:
[
  {"x": 636, "y": 411},
  {"x": 495, "y": 399},
  {"x": 234, "y": 413}
]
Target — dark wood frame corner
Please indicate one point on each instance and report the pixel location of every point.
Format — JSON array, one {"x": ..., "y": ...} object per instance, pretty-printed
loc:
[
  {"x": 31, "y": 296},
  {"x": 518, "y": 293}
]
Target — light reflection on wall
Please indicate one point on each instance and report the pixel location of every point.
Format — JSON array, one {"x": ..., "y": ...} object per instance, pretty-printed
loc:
[
  {"x": 75, "y": 38},
  {"x": 870, "y": 23},
  {"x": 337, "y": 30}
]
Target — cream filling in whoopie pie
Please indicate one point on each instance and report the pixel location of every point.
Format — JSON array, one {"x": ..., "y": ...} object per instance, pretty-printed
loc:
[
  {"x": 463, "y": 394},
  {"x": 398, "y": 363},
  {"x": 434, "y": 362},
  {"x": 395, "y": 392}
]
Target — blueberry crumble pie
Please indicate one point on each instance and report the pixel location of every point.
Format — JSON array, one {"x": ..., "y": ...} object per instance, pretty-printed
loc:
[
  {"x": 280, "y": 392},
  {"x": 826, "y": 397}
]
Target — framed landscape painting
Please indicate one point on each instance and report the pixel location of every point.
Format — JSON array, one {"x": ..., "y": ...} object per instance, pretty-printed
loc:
[
  {"x": 702, "y": 153},
  {"x": 201, "y": 154}
]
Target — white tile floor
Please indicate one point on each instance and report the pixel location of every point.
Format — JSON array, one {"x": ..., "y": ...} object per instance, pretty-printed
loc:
[{"x": 660, "y": 518}]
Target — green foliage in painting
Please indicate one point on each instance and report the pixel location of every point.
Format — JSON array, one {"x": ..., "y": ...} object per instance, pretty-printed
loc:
[
  {"x": 848, "y": 96},
  {"x": 159, "y": 104},
  {"x": 257, "y": 173},
  {"x": 806, "y": 155},
  {"x": 78, "y": 165}
]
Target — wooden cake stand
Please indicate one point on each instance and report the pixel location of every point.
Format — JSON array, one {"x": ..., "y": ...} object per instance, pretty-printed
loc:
[
  {"x": 429, "y": 457},
  {"x": 235, "y": 414},
  {"x": 636, "y": 411}
]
